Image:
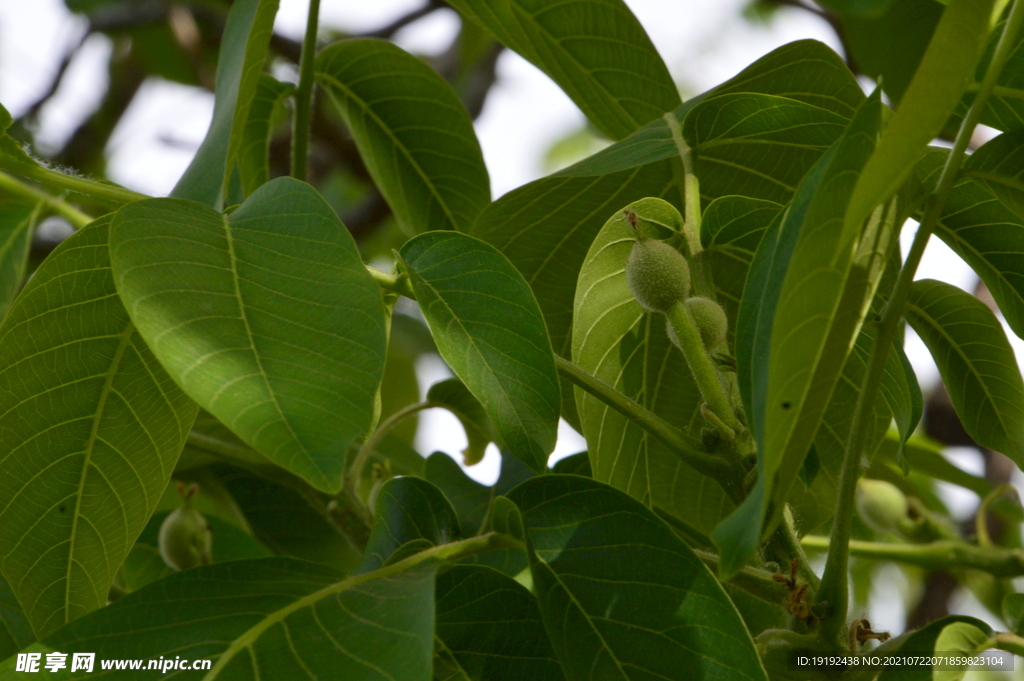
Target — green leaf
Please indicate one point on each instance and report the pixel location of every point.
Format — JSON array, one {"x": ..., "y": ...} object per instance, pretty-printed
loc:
[
  {"x": 731, "y": 230},
  {"x": 266, "y": 317},
  {"x": 618, "y": 342},
  {"x": 288, "y": 519},
  {"x": 803, "y": 304},
  {"x": 243, "y": 49},
  {"x": 468, "y": 497},
  {"x": 265, "y": 619},
  {"x": 17, "y": 222},
  {"x": 595, "y": 50},
  {"x": 948, "y": 635},
  {"x": 14, "y": 157},
  {"x": 253, "y": 160},
  {"x": 806, "y": 71},
  {"x": 407, "y": 509},
  {"x": 492, "y": 627},
  {"x": 454, "y": 396},
  {"x": 620, "y": 592},
  {"x": 757, "y": 145},
  {"x": 1013, "y": 612},
  {"x": 546, "y": 227},
  {"x": 902, "y": 393},
  {"x": 940, "y": 80},
  {"x": 985, "y": 233},
  {"x": 1005, "y": 107},
  {"x": 91, "y": 429},
  {"x": 15, "y": 632},
  {"x": 411, "y": 130},
  {"x": 489, "y": 329},
  {"x": 998, "y": 166},
  {"x": 888, "y": 47},
  {"x": 976, "y": 362},
  {"x": 575, "y": 464}
]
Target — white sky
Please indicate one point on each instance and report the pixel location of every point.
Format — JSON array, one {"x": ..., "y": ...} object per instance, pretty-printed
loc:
[{"x": 702, "y": 42}]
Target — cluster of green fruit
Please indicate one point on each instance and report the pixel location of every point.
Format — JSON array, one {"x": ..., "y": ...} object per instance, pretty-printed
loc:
[{"x": 659, "y": 277}]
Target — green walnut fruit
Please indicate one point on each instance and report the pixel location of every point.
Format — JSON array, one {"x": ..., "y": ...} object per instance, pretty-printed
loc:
[
  {"x": 185, "y": 539},
  {"x": 710, "y": 320},
  {"x": 881, "y": 505},
  {"x": 658, "y": 275}
]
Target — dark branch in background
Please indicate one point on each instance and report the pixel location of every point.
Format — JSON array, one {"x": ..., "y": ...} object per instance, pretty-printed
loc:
[
  {"x": 404, "y": 20},
  {"x": 62, "y": 68}
]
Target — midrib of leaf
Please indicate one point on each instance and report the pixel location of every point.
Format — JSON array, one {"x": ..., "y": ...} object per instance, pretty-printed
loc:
[
  {"x": 108, "y": 384},
  {"x": 1003, "y": 91},
  {"x": 956, "y": 347},
  {"x": 586, "y": 616},
  {"x": 233, "y": 260},
  {"x": 364, "y": 106}
]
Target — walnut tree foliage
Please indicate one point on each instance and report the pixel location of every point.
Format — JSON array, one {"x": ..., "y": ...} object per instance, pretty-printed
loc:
[{"x": 716, "y": 301}]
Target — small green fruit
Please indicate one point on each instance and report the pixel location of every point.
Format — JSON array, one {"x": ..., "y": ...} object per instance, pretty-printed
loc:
[
  {"x": 710, "y": 319},
  {"x": 658, "y": 275},
  {"x": 185, "y": 538},
  {"x": 881, "y": 505}
]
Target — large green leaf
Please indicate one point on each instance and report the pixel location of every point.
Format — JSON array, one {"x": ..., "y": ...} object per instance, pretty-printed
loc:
[
  {"x": 492, "y": 627},
  {"x": 412, "y": 132},
  {"x": 801, "y": 316},
  {"x": 805, "y": 70},
  {"x": 407, "y": 509},
  {"x": 489, "y": 329},
  {"x": 999, "y": 166},
  {"x": 595, "y": 50},
  {"x": 757, "y": 145},
  {"x": 945, "y": 72},
  {"x": 91, "y": 428},
  {"x": 15, "y": 631},
  {"x": 243, "y": 49},
  {"x": 946, "y": 635},
  {"x": 621, "y": 593},
  {"x": 620, "y": 343},
  {"x": 976, "y": 362},
  {"x": 983, "y": 231},
  {"x": 267, "y": 317},
  {"x": 17, "y": 221},
  {"x": 267, "y": 619}
]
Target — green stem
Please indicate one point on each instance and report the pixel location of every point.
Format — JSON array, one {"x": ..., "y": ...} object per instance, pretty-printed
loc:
[
  {"x": 728, "y": 472},
  {"x": 355, "y": 472},
  {"x": 834, "y": 584},
  {"x": 100, "y": 191},
  {"x": 396, "y": 283},
  {"x": 757, "y": 583},
  {"x": 944, "y": 554},
  {"x": 784, "y": 545},
  {"x": 692, "y": 219},
  {"x": 1004, "y": 640},
  {"x": 13, "y": 185},
  {"x": 703, "y": 370},
  {"x": 304, "y": 94}
]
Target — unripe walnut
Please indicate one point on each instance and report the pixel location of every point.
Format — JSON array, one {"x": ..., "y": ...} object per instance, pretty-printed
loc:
[
  {"x": 658, "y": 275},
  {"x": 185, "y": 538},
  {"x": 881, "y": 505},
  {"x": 710, "y": 319}
]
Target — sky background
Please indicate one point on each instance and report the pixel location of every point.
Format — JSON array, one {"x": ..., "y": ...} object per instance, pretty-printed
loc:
[{"x": 703, "y": 42}]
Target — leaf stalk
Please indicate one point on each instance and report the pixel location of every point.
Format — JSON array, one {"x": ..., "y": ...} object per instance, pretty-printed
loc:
[
  {"x": 304, "y": 94},
  {"x": 14, "y": 186}
]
